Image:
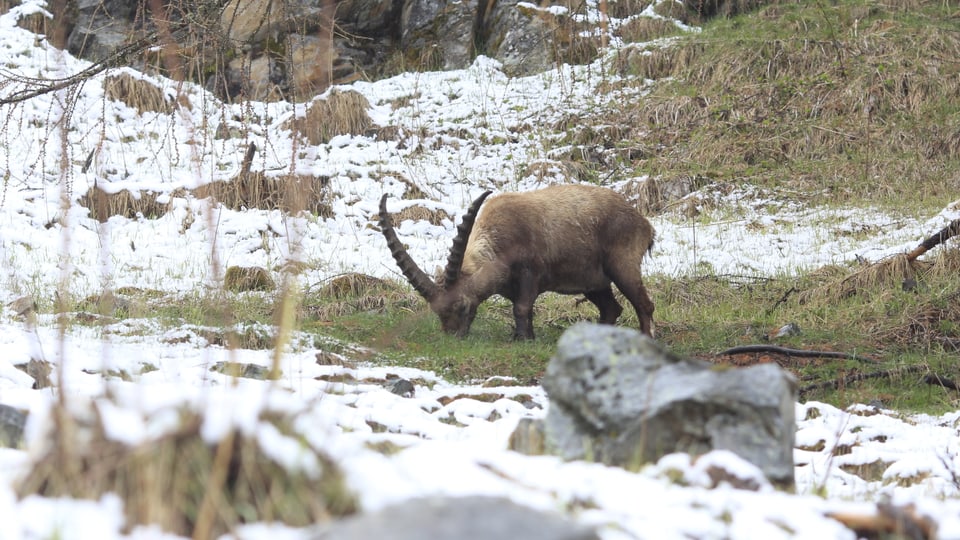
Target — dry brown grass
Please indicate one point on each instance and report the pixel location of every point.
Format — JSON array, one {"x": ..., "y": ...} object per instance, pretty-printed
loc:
[
  {"x": 643, "y": 29},
  {"x": 895, "y": 272},
  {"x": 845, "y": 100},
  {"x": 184, "y": 484},
  {"x": 103, "y": 205},
  {"x": 354, "y": 284},
  {"x": 248, "y": 278},
  {"x": 352, "y": 293},
  {"x": 138, "y": 94},
  {"x": 290, "y": 193},
  {"x": 655, "y": 64},
  {"x": 705, "y": 9},
  {"x": 339, "y": 113}
]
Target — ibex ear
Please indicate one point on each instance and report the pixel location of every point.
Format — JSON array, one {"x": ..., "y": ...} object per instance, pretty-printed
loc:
[
  {"x": 421, "y": 282},
  {"x": 455, "y": 259}
]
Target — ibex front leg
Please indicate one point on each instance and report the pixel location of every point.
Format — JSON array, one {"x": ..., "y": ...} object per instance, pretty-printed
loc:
[{"x": 523, "y": 299}]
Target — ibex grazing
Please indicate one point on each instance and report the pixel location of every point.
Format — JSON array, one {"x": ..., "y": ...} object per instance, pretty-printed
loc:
[{"x": 571, "y": 239}]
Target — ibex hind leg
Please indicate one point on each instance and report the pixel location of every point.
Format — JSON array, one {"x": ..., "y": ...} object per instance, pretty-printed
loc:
[
  {"x": 610, "y": 309},
  {"x": 631, "y": 285}
]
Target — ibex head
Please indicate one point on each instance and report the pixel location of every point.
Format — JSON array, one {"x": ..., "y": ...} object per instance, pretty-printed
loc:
[{"x": 451, "y": 300}]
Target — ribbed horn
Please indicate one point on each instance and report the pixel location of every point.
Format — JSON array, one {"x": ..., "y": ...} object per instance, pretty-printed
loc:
[
  {"x": 455, "y": 260},
  {"x": 420, "y": 281}
]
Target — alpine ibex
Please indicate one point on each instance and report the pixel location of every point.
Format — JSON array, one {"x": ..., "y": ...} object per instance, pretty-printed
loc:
[{"x": 571, "y": 239}]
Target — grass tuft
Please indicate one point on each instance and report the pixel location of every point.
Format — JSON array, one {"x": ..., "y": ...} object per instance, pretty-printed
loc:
[
  {"x": 183, "y": 483},
  {"x": 341, "y": 112},
  {"x": 138, "y": 94}
]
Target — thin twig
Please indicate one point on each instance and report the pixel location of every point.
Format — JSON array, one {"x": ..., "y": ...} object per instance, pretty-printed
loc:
[
  {"x": 45, "y": 86},
  {"x": 801, "y": 353}
]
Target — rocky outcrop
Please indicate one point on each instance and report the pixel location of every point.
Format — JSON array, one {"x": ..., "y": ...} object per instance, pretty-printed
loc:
[
  {"x": 617, "y": 397},
  {"x": 464, "y": 518},
  {"x": 294, "y": 50},
  {"x": 439, "y": 34},
  {"x": 104, "y": 26}
]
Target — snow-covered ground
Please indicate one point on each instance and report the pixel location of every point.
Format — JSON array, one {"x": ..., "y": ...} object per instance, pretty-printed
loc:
[{"x": 463, "y": 132}]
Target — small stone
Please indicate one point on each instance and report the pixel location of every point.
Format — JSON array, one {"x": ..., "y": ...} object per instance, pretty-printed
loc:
[
  {"x": 12, "y": 421},
  {"x": 400, "y": 387},
  {"x": 789, "y": 329}
]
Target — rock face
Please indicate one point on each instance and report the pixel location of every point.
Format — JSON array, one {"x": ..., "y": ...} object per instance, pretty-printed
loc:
[
  {"x": 258, "y": 49},
  {"x": 617, "y": 397},
  {"x": 466, "y": 518}
]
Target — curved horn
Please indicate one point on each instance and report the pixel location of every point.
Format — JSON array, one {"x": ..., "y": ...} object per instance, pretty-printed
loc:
[
  {"x": 455, "y": 260},
  {"x": 420, "y": 281}
]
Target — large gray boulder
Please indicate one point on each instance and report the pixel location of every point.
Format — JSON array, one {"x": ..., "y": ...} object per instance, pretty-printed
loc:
[
  {"x": 618, "y": 397},
  {"x": 465, "y": 518}
]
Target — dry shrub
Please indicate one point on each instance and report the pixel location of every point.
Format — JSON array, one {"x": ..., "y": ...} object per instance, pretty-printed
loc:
[
  {"x": 888, "y": 273},
  {"x": 167, "y": 481},
  {"x": 102, "y": 205},
  {"x": 137, "y": 94},
  {"x": 573, "y": 44},
  {"x": 339, "y": 113},
  {"x": 645, "y": 194},
  {"x": 290, "y": 193},
  {"x": 675, "y": 112},
  {"x": 422, "y": 213}
]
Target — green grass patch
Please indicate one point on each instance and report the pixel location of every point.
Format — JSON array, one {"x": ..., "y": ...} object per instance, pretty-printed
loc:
[
  {"x": 906, "y": 339},
  {"x": 411, "y": 336}
]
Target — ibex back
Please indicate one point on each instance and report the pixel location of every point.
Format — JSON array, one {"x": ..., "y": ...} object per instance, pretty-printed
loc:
[{"x": 571, "y": 239}]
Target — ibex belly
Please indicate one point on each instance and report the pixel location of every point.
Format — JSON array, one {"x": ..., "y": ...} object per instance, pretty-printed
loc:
[{"x": 572, "y": 278}]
